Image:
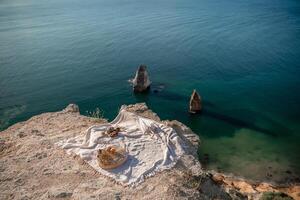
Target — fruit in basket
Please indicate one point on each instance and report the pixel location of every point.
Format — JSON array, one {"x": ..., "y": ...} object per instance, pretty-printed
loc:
[{"x": 111, "y": 157}]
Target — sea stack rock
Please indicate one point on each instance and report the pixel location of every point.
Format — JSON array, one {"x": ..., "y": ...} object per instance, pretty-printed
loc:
[
  {"x": 195, "y": 103},
  {"x": 141, "y": 82}
]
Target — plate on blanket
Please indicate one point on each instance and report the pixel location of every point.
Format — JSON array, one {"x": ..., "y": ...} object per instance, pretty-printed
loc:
[{"x": 111, "y": 157}]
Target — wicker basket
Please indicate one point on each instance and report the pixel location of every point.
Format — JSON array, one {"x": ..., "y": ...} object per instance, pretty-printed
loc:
[{"x": 112, "y": 157}]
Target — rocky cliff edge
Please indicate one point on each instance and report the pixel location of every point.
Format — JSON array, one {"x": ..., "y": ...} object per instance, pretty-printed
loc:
[{"x": 32, "y": 167}]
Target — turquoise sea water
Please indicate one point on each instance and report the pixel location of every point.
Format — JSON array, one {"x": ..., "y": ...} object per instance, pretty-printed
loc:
[{"x": 242, "y": 56}]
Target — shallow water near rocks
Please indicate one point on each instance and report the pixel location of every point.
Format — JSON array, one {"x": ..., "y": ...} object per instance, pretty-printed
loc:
[{"x": 242, "y": 57}]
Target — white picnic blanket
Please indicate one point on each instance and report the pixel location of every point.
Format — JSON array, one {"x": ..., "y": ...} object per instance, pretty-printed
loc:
[{"x": 151, "y": 146}]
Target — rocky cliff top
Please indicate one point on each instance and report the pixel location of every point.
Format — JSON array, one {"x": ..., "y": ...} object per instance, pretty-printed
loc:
[{"x": 32, "y": 167}]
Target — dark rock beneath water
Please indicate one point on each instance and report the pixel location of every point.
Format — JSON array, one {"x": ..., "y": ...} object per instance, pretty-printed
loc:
[
  {"x": 275, "y": 196},
  {"x": 269, "y": 175},
  {"x": 288, "y": 172},
  {"x": 206, "y": 157},
  {"x": 141, "y": 81},
  {"x": 157, "y": 88},
  {"x": 195, "y": 102}
]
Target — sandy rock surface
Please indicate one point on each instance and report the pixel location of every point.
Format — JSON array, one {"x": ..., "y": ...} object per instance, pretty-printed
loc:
[
  {"x": 254, "y": 190},
  {"x": 32, "y": 167}
]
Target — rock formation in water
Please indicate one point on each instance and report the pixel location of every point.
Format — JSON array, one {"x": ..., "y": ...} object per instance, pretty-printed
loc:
[
  {"x": 141, "y": 81},
  {"x": 195, "y": 103}
]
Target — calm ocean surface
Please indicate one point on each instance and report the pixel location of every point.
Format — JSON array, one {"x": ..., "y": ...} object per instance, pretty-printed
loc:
[{"x": 242, "y": 56}]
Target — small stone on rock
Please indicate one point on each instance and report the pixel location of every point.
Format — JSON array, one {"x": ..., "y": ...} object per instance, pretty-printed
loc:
[
  {"x": 21, "y": 135},
  {"x": 71, "y": 108}
]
